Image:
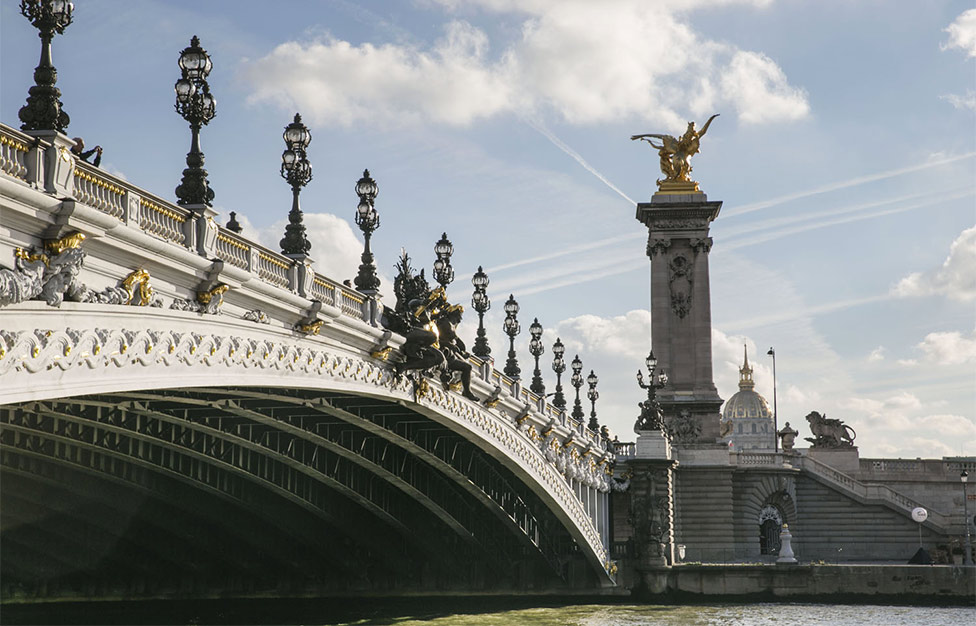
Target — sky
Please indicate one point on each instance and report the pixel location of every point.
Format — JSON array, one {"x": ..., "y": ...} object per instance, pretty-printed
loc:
[{"x": 845, "y": 155}]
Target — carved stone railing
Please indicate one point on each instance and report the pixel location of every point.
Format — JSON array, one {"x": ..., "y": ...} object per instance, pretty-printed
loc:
[
  {"x": 761, "y": 459},
  {"x": 14, "y": 147},
  {"x": 99, "y": 190},
  {"x": 868, "y": 492},
  {"x": 165, "y": 222}
]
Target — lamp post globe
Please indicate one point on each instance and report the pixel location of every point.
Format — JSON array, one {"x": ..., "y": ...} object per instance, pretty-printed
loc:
[
  {"x": 368, "y": 220},
  {"x": 443, "y": 272},
  {"x": 44, "y": 110}
]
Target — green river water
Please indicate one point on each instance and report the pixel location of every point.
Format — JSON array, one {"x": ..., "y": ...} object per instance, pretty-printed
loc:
[{"x": 700, "y": 615}]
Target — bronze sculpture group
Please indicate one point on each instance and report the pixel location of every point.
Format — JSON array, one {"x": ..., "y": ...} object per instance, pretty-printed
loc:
[
  {"x": 428, "y": 323},
  {"x": 676, "y": 152}
]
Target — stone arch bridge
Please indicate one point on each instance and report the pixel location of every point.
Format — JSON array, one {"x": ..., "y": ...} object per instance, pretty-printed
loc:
[{"x": 184, "y": 411}]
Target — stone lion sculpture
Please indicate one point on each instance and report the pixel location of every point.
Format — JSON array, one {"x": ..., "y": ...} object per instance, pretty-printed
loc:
[{"x": 829, "y": 432}]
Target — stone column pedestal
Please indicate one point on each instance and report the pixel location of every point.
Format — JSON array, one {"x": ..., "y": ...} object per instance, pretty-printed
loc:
[
  {"x": 651, "y": 513},
  {"x": 678, "y": 245}
]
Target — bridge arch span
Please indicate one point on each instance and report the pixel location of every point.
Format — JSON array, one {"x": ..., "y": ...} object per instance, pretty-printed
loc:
[{"x": 463, "y": 470}]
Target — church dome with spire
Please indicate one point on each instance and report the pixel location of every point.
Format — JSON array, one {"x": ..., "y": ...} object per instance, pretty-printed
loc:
[{"x": 746, "y": 418}]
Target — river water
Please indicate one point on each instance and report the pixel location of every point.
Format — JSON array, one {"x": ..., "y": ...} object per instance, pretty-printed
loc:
[{"x": 698, "y": 615}]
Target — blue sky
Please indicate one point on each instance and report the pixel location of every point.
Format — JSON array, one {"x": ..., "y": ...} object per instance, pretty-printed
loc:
[{"x": 844, "y": 155}]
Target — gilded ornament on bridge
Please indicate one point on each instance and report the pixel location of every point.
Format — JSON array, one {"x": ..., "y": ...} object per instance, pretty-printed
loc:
[
  {"x": 309, "y": 327},
  {"x": 207, "y": 301},
  {"x": 676, "y": 153}
]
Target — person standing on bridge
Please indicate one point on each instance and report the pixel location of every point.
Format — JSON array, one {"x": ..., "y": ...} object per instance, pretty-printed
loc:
[{"x": 79, "y": 151}]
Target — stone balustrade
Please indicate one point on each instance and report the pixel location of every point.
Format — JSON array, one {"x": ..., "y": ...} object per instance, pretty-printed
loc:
[{"x": 45, "y": 163}]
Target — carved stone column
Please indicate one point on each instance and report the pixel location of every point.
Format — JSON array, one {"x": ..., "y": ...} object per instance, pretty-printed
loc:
[
  {"x": 681, "y": 317},
  {"x": 651, "y": 518}
]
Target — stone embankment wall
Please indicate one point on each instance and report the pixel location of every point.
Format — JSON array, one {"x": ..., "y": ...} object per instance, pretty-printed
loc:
[{"x": 918, "y": 584}]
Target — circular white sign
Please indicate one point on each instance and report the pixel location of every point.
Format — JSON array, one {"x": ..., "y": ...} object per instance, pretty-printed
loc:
[{"x": 919, "y": 514}]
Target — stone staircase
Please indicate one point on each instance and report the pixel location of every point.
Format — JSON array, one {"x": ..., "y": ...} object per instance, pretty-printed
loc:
[{"x": 869, "y": 493}]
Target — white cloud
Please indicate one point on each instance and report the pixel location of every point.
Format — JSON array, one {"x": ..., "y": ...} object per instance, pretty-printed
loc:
[
  {"x": 586, "y": 61},
  {"x": 967, "y": 101},
  {"x": 955, "y": 279},
  {"x": 962, "y": 33},
  {"x": 876, "y": 355},
  {"x": 625, "y": 335},
  {"x": 759, "y": 90},
  {"x": 949, "y": 348}
]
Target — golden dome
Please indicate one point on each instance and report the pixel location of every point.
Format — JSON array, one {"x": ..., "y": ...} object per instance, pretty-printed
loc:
[{"x": 746, "y": 403}]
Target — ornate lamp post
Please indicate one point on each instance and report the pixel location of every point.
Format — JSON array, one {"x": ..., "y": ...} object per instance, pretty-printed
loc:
[
  {"x": 968, "y": 556},
  {"x": 198, "y": 107},
  {"x": 481, "y": 304},
  {"x": 512, "y": 329},
  {"x": 593, "y": 395},
  {"x": 443, "y": 272},
  {"x": 43, "y": 110},
  {"x": 577, "y": 381},
  {"x": 536, "y": 349},
  {"x": 651, "y": 417},
  {"x": 295, "y": 169},
  {"x": 772, "y": 353},
  {"x": 559, "y": 366},
  {"x": 368, "y": 220}
]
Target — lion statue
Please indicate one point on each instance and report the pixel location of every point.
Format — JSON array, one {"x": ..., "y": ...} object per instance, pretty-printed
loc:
[{"x": 829, "y": 433}]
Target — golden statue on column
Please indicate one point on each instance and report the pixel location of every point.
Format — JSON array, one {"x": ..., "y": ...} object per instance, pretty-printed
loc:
[{"x": 676, "y": 153}]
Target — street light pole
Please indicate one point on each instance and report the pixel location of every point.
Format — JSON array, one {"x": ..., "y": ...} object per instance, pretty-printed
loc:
[
  {"x": 196, "y": 105},
  {"x": 44, "y": 110},
  {"x": 296, "y": 169},
  {"x": 577, "y": 381},
  {"x": 368, "y": 221},
  {"x": 772, "y": 353},
  {"x": 559, "y": 366},
  {"x": 481, "y": 304},
  {"x": 968, "y": 556},
  {"x": 512, "y": 328},
  {"x": 536, "y": 349}
]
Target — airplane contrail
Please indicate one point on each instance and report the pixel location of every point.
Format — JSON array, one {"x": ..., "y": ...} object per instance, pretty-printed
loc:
[
  {"x": 556, "y": 141},
  {"x": 853, "y": 182}
]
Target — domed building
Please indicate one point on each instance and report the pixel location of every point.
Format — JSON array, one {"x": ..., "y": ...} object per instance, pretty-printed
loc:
[{"x": 746, "y": 419}]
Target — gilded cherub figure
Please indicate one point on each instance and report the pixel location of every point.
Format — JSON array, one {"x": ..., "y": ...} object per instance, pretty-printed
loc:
[{"x": 676, "y": 152}]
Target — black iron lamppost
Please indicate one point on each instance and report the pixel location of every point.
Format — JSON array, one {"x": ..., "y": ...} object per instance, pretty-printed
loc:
[
  {"x": 43, "y": 110},
  {"x": 772, "y": 353},
  {"x": 559, "y": 366},
  {"x": 536, "y": 349},
  {"x": 968, "y": 556},
  {"x": 198, "y": 107},
  {"x": 295, "y": 169},
  {"x": 577, "y": 381},
  {"x": 593, "y": 395},
  {"x": 443, "y": 272},
  {"x": 368, "y": 220},
  {"x": 481, "y": 304},
  {"x": 512, "y": 329},
  {"x": 651, "y": 417}
]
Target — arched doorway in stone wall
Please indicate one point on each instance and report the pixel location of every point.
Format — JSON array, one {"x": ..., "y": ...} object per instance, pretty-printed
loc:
[{"x": 770, "y": 522}]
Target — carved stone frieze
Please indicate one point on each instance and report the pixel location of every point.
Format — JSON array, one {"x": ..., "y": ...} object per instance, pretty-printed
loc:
[
  {"x": 683, "y": 427},
  {"x": 681, "y": 224},
  {"x": 703, "y": 244},
  {"x": 680, "y": 283},
  {"x": 657, "y": 245},
  {"x": 256, "y": 315}
]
